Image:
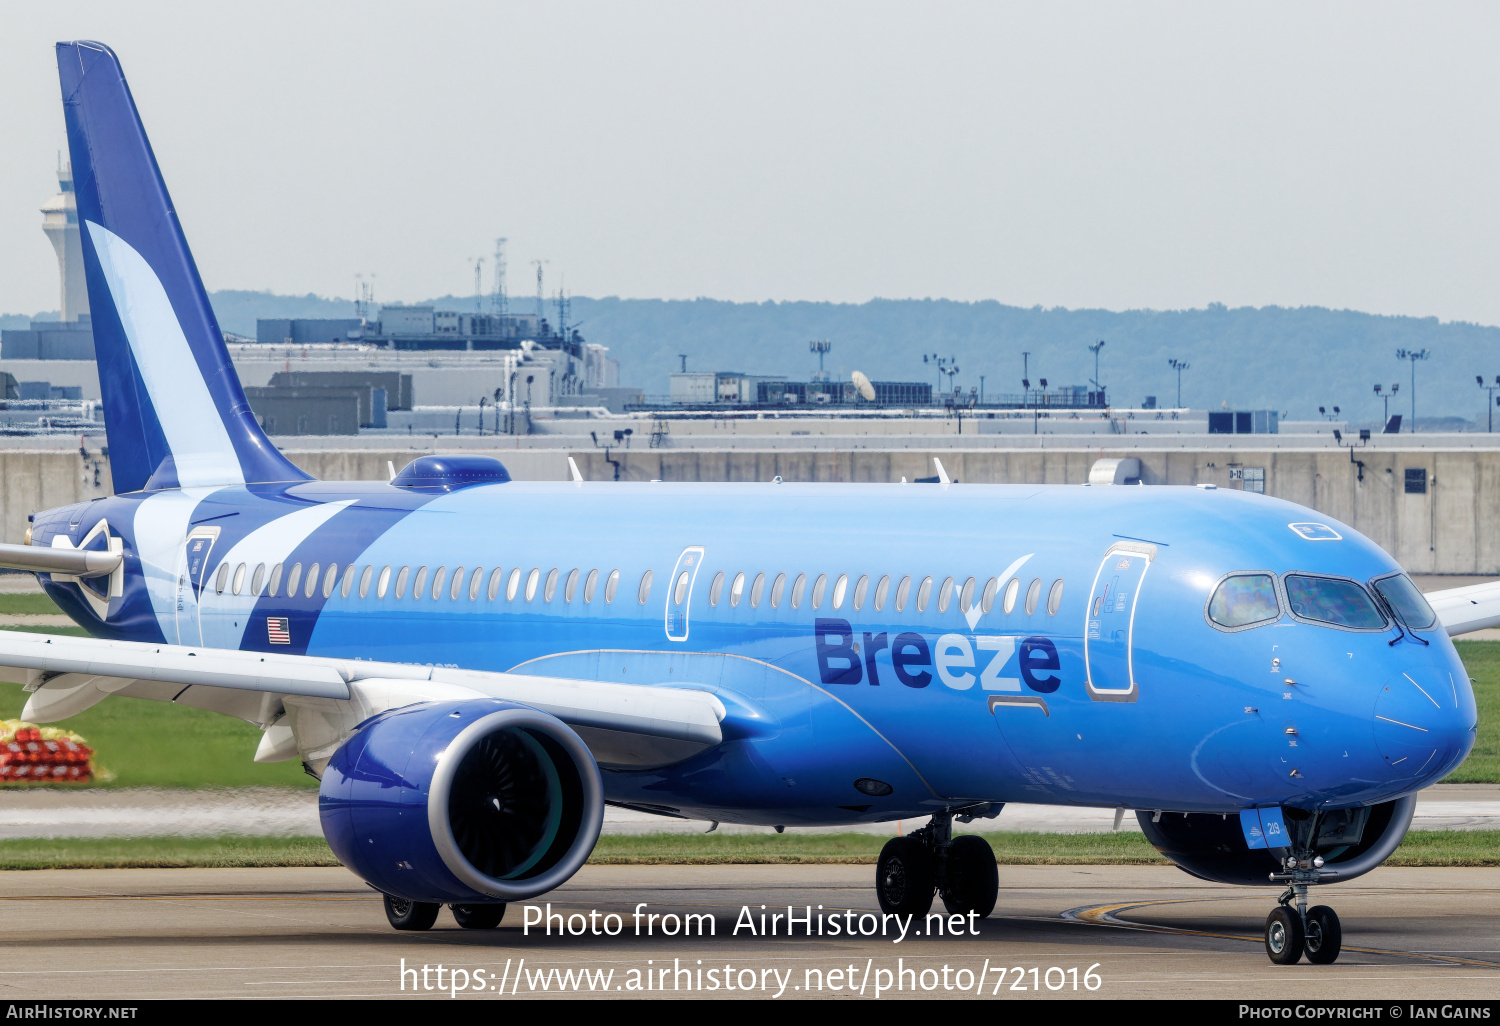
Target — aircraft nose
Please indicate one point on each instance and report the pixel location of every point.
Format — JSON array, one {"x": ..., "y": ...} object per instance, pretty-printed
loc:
[{"x": 1419, "y": 724}]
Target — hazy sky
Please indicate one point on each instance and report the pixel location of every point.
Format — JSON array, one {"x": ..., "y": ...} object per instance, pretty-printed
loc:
[{"x": 1112, "y": 154}]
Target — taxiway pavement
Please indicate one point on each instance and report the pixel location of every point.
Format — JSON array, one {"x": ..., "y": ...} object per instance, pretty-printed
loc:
[{"x": 1143, "y": 931}]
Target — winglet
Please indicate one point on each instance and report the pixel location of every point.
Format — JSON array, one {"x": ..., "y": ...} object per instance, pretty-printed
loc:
[
  {"x": 573, "y": 469},
  {"x": 943, "y": 478}
]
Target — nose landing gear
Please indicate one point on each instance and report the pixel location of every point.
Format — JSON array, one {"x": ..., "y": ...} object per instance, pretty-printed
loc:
[
  {"x": 961, "y": 869},
  {"x": 1293, "y": 932}
]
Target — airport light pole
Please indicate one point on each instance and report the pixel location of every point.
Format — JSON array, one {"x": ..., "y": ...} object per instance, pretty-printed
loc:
[
  {"x": 1095, "y": 350},
  {"x": 1413, "y": 355},
  {"x": 1179, "y": 366},
  {"x": 1491, "y": 403}
]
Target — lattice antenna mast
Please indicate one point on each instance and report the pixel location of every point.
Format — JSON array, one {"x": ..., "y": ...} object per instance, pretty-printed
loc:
[
  {"x": 478, "y": 283},
  {"x": 499, "y": 304},
  {"x": 540, "y": 295},
  {"x": 564, "y": 307}
]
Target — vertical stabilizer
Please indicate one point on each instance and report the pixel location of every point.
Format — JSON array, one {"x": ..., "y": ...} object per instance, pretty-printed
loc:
[{"x": 173, "y": 406}]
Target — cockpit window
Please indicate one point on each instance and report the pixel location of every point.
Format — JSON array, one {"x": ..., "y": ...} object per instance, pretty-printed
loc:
[
  {"x": 1244, "y": 599},
  {"x": 1407, "y": 601},
  {"x": 1330, "y": 600}
]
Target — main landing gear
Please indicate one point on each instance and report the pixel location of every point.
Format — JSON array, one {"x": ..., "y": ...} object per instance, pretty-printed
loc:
[
  {"x": 961, "y": 869},
  {"x": 421, "y": 915},
  {"x": 1292, "y": 932}
]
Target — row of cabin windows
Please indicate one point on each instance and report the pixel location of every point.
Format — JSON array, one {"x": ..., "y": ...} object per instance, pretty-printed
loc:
[
  {"x": 861, "y": 593},
  {"x": 462, "y": 581},
  {"x": 473, "y": 583}
]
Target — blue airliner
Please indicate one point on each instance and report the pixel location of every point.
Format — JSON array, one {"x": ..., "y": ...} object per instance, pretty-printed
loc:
[{"x": 473, "y": 667}]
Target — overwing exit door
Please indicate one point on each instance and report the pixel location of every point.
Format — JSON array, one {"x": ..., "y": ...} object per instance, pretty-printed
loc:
[
  {"x": 1109, "y": 630},
  {"x": 680, "y": 591},
  {"x": 191, "y": 567}
]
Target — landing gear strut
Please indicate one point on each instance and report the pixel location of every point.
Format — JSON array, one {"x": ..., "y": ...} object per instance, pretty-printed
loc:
[
  {"x": 961, "y": 869},
  {"x": 1292, "y": 932}
]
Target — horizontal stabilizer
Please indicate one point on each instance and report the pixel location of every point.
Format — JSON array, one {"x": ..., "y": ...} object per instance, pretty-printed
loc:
[{"x": 73, "y": 562}]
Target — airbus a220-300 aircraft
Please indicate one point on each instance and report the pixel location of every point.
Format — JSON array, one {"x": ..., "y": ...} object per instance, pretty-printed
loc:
[{"x": 474, "y": 667}]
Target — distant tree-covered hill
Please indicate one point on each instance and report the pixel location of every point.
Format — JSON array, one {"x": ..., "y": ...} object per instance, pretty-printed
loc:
[{"x": 1290, "y": 360}]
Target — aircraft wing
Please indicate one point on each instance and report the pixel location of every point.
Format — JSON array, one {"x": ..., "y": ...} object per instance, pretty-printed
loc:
[
  {"x": 67, "y": 675},
  {"x": 1463, "y": 610}
]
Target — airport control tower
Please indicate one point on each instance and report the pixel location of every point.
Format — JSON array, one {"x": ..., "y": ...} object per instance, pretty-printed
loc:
[{"x": 60, "y": 222}]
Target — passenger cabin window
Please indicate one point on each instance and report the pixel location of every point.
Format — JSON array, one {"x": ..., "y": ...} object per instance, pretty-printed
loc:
[
  {"x": 401, "y": 581},
  {"x": 330, "y": 580},
  {"x": 551, "y": 588},
  {"x": 1033, "y": 595},
  {"x": 861, "y": 589},
  {"x": 348, "y": 584},
  {"x": 239, "y": 578},
  {"x": 1244, "y": 599},
  {"x": 924, "y": 592},
  {"x": 222, "y": 578},
  {"x": 382, "y": 584},
  {"x": 966, "y": 597},
  {"x": 881, "y": 591},
  {"x": 778, "y": 589},
  {"x": 716, "y": 590},
  {"x": 757, "y": 590},
  {"x": 457, "y": 586},
  {"x": 1012, "y": 589},
  {"x": 571, "y": 587},
  {"x": 1406, "y": 601},
  {"x": 293, "y": 578},
  {"x": 1054, "y": 597},
  {"x": 312, "y": 581},
  {"x": 275, "y": 584},
  {"x": 945, "y": 594},
  {"x": 438, "y": 577},
  {"x": 1333, "y": 601},
  {"x": 840, "y": 589},
  {"x": 532, "y": 579},
  {"x": 610, "y": 584},
  {"x": 819, "y": 586},
  {"x": 903, "y": 592},
  {"x": 588, "y": 586},
  {"x": 513, "y": 585},
  {"x": 736, "y": 589},
  {"x": 369, "y": 575},
  {"x": 798, "y": 587},
  {"x": 497, "y": 578},
  {"x": 258, "y": 579},
  {"x": 418, "y": 585},
  {"x": 643, "y": 593},
  {"x": 476, "y": 582},
  {"x": 991, "y": 588}
]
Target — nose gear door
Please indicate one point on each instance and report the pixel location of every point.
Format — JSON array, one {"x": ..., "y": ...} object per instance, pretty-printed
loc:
[
  {"x": 1109, "y": 629},
  {"x": 192, "y": 565},
  {"x": 680, "y": 592}
]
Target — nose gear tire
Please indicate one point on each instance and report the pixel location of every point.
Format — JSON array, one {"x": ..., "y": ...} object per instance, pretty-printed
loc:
[
  {"x": 410, "y": 915},
  {"x": 905, "y": 877},
  {"x": 1325, "y": 935},
  {"x": 973, "y": 878},
  {"x": 1284, "y": 936}
]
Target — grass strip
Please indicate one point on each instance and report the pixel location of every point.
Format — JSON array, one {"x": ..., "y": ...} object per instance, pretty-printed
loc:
[
  {"x": 165, "y": 853},
  {"x": 1430, "y": 848},
  {"x": 31, "y": 602}
]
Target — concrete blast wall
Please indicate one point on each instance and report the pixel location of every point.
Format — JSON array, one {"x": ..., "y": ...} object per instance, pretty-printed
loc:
[{"x": 1451, "y": 528}]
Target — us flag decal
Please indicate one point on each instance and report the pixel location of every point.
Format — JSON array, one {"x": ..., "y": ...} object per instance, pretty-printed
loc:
[{"x": 279, "y": 630}]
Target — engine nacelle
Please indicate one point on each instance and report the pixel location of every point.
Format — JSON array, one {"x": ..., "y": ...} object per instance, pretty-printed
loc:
[
  {"x": 470, "y": 801},
  {"x": 1212, "y": 847}
]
